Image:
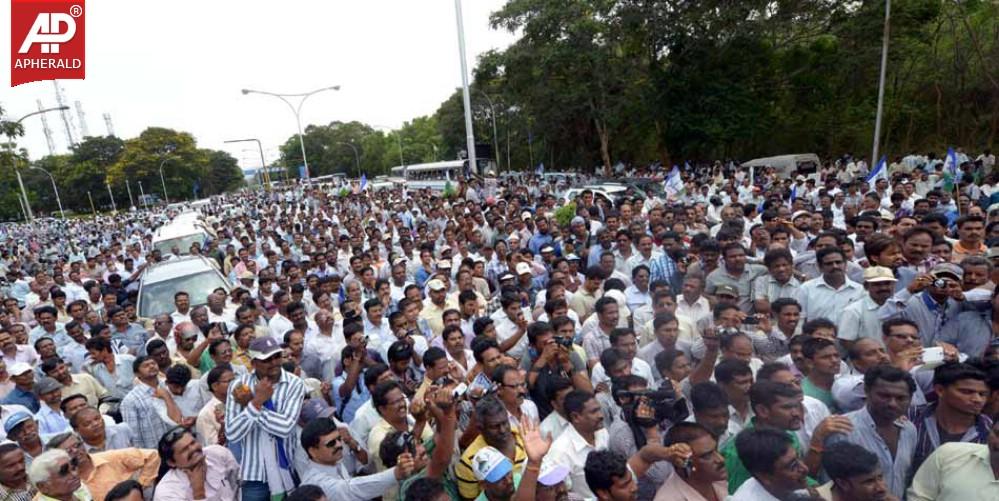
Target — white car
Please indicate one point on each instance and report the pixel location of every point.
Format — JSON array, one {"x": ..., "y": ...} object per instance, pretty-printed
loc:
[
  {"x": 198, "y": 276},
  {"x": 608, "y": 192}
]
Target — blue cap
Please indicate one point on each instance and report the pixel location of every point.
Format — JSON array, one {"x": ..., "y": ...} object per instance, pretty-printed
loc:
[{"x": 14, "y": 420}]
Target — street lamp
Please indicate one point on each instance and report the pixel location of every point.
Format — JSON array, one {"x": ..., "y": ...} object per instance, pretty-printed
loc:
[
  {"x": 357, "y": 157},
  {"x": 263, "y": 163},
  {"x": 297, "y": 110},
  {"x": 54, "y": 188},
  {"x": 166, "y": 199},
  {"x": 28, "y": 216},
  {"x": 492, "y": 114}
]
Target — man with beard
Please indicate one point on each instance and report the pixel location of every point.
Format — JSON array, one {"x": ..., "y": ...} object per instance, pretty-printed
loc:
[
  {"x": 860, "y": 320},
  {"x": 194, "y": 472}
]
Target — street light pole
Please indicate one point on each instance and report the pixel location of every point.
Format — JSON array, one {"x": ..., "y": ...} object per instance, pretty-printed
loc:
[
  {"x": 263, "y": 163},
  {"x": 469, "y": 135},
  {"x": 54, "y": 188},
  {"x": 357, "y": 157},
  {"x": 114, "y": 207},
  {"x": 492, "y": 114},
  {"x": 166, "y": 199},
  {"x": 881, "y": 85},
  {"x": 92, "y": 208},
  {"x": 131, "y": 201},
  {"x": 24, "y": 193},
  {"x": 142, "y": 196},
  {"x": 298, "y": 115}
]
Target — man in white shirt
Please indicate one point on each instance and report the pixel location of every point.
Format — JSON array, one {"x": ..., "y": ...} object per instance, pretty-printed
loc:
[{"x": 587, "y": 434}]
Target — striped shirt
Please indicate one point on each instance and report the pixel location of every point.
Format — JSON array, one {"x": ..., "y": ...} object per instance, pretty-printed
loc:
[{"x": 258, "y": 431}]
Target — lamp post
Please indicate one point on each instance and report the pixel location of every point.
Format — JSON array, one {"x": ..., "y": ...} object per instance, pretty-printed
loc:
[
  {"x": 263, "y": 163},
  {"x": 166, "y": 199},
  {"x": 54, "y": 188},
  {"x": 27, "y": 206},
  {"x": 142, "y": 196},
  {"x": 114, "y": 207},
  {"x": 492, "y": 114},
  {"x": 357, "y": 157},
  {"x": 881, "y": 86},
  {"x": 465, "y": 91},
  {"x": 297, "y": 110}
]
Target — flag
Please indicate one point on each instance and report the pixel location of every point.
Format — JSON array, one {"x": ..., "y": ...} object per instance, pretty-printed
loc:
[
  {"x": 673, "y": 184},
  {"x": 879, "y": 172},
  {"x": 540, "y": 169},
  {"x": 950, "y": 170},
  {"x": 794, "y": 194},
  {"x": 364, "y": 182}
]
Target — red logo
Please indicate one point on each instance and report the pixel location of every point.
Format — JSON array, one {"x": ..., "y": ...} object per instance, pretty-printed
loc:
[{"x": 46, "y": 40}]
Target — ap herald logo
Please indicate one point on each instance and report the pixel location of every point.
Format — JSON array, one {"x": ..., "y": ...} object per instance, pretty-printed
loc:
[{"x": 46, "y": 40}]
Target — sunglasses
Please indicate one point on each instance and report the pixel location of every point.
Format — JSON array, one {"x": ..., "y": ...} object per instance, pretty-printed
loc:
[
  {"x": 68, "y": 467},
  {"x": 332, "y": 444}
]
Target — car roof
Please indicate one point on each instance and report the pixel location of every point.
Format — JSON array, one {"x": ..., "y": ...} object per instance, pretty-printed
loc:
[
  {"x": 178, "y": 229},
  {"x": 176, "y": 267}
]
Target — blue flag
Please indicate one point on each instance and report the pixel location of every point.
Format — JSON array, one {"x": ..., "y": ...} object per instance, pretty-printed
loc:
[
  {"x": 879, "y": 171},
  {"x": 364, "y": 181}
]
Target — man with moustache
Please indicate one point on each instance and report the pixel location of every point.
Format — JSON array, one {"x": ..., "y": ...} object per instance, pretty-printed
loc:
[{"x": 704, "y": 477}]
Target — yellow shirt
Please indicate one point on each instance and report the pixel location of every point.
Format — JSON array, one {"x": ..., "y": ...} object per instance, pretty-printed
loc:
[
  {"x": 85, "y": 384},
  {"x": 112, "y": 467},
  {"x": 468, "y": 486}
]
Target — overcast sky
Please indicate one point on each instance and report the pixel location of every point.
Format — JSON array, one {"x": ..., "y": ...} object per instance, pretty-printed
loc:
[{"x": 182, "y": 64}]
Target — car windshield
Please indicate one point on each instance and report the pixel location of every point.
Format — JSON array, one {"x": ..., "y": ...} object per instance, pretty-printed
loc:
[
  {"x": 183, "y": 244},
  {"x": 158, "y": 297}
]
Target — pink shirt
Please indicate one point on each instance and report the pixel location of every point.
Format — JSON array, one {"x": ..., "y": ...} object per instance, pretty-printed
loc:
[
  {"x": 676, "y": 489},
  {"x": 221, "y": 479}
]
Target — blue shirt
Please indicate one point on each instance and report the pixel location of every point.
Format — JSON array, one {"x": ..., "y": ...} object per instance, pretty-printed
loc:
[
  {"x": 134, "y": 338},
  {"x": 358, "y": 396},
  {"x": 18, "y": 396}
]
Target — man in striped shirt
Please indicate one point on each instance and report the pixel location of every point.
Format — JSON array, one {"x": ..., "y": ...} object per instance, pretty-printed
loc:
[{"x": 260, "y": 416}]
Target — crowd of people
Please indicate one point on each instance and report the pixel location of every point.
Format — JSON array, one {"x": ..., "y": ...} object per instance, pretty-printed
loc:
[{"x": 824, "y": 335}]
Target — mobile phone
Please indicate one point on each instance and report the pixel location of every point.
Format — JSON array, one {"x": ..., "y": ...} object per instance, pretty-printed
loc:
[
  {"x": 933, "y": 357},
  {"x": 751, "y": 320}
]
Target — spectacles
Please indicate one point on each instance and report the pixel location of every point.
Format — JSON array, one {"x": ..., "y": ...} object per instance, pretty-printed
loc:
[
  {"x": 68, "y": 467},
  {"x": 522, "y": 384},
  {"x": 332, "y": 444},
  {"x": 914, "y": 337}
]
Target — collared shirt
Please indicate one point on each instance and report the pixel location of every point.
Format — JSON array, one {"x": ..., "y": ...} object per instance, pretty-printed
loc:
[
  {"x": 116, "y": 466},
  {"x": 134, "y": 338},
  {"x": 25, "y": 494},
  {"x": 468, "y": 486},
  {"x": 742, "y": 283},
  {"x": 737, "y": 472},
  {"x": 81, "y": 494},
  {"x": 635, "y": 298},
  {"x": 928, "y": 435},
  {"x": 820, "y": 300},
  {"x": 752, "y": 490},
  {"x": 860, "y": 320},
  {"x": 767, "y": 287},
  {"x": 221, "y": 479},
  {"x": 338, "y": 484},
  {"x": 146, "y": 415},
  {"x": 769, "y": 346},
  {"x": 506, "y": 329},
  {"x": 956, "y": 472},
  {"x": 696, "y": 311},
  {"x": 381, "y": 429},
  {"x": 207, "y": 426},
  {"x": 664, "y": 268},
  {"x": 119, "y": 383},
  {"x": 268, "y": 431},
  {"x": 23, "y": 353},
  {"x": 676, "y": 489},
  {"x": 50, "y": 422},
  {"x": 937, "y": 322},
  {"x": 584, "y": 303},
  {"x": 86, "y": 385},
  {"x": 18, "y": 396},
  {"x": 571, "y": 449},
  {"x": 894, "y": 466},
  {"x": 553, "y": 425},
  {"x": 116, "y": 436}
]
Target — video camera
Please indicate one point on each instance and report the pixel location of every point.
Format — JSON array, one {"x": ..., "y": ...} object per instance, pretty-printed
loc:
[{"x": 664, "y": 402}]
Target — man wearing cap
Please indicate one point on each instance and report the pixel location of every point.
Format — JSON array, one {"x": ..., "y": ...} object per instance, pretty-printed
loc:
[
  {"x": 494, "y": 471},
  {"x": 49, "y": 416},
  {"x": 261, "y": 411},
  {"x": 434, "y": 306},
  {"x": 23, "y": 429},
  {"x": 861, "y": 318},
  {"x": 23, "y": 377},
  {"x": 933, "y": 302}
]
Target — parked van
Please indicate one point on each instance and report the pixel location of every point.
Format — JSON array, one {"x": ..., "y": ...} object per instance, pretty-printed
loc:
[{"x": 805, "y": 164}]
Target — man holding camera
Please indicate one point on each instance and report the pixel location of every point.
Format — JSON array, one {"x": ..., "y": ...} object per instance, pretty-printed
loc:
[
  {"x": 932, "y": 301},
  {"x": 550, "y": 356}
]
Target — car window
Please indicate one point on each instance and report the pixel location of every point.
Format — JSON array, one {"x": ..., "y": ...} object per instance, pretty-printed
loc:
[
  {"x": 183, "y": 244},
  {"x": 158, "y": 297}
]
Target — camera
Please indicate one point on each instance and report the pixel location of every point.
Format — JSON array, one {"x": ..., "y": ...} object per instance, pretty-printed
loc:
[
  {"x": 940, "y": 283},
  {"x": 751, "y": 320},
  {"x": 664, "y": 402},
  {"x": 564, "y": 341}
]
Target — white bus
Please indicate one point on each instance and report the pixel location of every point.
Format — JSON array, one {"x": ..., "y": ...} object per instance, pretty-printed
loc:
[{"x": 434, "y": 175}]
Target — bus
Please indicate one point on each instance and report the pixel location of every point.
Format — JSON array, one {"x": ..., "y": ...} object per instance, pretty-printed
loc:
[{"x": 434, "y": 175}]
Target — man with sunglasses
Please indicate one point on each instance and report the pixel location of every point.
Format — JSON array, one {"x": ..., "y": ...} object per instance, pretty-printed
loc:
[
  {"x": 322, "y": 442},
  {"x": 56, "y": 477},
  {"x": 101, "y": 471},
  {"x": 261, "y": 412}
]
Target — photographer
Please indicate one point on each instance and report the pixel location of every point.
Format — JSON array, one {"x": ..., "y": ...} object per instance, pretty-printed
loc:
[
  {"x": 550, "y": 356},
  {"x": 645, "y": 417}
]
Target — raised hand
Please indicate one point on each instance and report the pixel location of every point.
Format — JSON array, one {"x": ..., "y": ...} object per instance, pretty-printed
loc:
[{"x": 535, "y": 445}]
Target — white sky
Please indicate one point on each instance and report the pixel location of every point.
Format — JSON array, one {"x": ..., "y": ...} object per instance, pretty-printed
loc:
[{"x": 181, "y": 65}]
